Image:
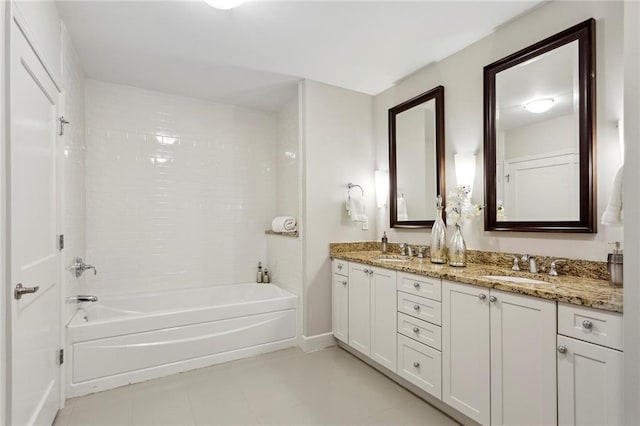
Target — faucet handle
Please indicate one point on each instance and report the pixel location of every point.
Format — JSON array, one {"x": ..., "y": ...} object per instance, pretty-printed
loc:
[
  {"x": 552, "y": 268},
  {"x": 403, "y": 249},
  {"x": 516, "y": 265}
]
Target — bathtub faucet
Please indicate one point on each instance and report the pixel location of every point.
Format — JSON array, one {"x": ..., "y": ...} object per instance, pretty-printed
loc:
[{"x": 82, "y": 298}]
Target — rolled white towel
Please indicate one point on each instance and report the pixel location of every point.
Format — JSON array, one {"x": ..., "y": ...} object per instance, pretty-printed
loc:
[
  {"x": 613, "y": 214},
  {"x": 284, "y": 224}
]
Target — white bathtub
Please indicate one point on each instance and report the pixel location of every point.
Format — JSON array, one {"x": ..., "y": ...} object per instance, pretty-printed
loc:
[{"x": 127, "y": 339}]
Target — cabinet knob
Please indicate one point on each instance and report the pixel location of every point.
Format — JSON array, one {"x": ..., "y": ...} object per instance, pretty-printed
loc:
[
  {"x": 562, "y": 349},
  {"x": 339, "y": 266},
  {"x": 344, "y": 282},
  {"x": 493, "y": 299},
  {"x": 587, "y": 324},
  {"x": 366, "y": 271},
  {"x": 416, "y": 364},
  {"x": 482, "y": 296},
  {"x": 416, "y": 330},
  {"x": 416, "y": 307},
  {"x": 416, "y": 285}
]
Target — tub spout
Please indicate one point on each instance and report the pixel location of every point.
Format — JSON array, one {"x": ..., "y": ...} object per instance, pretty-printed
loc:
[{"x": 82, "y": 298}]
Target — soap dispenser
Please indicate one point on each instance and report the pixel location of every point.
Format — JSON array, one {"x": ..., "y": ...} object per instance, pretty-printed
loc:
[
  {"x": 614, "y": 265},
  {"x": 384, "y": 244}
]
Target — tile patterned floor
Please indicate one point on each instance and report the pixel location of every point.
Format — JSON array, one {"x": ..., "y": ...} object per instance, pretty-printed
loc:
[{"x": 328, "y": 387}]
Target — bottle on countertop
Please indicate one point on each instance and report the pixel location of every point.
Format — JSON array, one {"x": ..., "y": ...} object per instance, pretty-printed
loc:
[
  {"x": 266, "y": 278},
  {"x": 614, "y": 265},
  {"x": 260, "y": 275},
  {"x": 385, "y": 242}
]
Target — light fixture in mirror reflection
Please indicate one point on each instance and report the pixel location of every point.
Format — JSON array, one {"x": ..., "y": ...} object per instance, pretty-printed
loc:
[
  {"x": 416, "y": 159},
  {"x": 539, "y": 124}
]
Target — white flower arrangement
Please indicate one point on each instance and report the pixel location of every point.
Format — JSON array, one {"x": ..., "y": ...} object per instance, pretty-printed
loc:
[{"x": 460, "y": 209}]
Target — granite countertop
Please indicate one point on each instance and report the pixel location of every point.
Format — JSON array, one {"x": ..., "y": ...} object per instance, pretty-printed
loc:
[{"x": 576, "y": 290}]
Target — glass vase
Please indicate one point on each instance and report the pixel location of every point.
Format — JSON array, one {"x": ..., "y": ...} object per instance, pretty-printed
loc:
[
  {"x": 457, "y": 249},
  {"x": 438, "y": 247}
]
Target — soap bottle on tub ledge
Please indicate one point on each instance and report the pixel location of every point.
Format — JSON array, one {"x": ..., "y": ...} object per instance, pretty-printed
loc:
[
  {"x": 266, "y": 277},
  {"x": 260, "y": 274}
]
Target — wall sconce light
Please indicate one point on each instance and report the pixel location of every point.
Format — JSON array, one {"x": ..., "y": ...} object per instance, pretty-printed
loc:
[
  {"x": 465, "y": 170},
  {"x": 382, "y": 187}
]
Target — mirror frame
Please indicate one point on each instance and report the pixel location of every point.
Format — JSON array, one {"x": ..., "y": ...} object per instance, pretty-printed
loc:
[
  {"x": 584, "y": 33},
  {"x": 436, "y": 93}
]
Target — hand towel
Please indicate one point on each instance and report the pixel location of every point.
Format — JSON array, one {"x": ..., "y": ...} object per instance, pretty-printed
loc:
[
  {"x": 355, "y": 207},
  {"x": 284, "y": 224},
  {"x": 403, "y": 215},
  {"x": 613, "y": 214}
]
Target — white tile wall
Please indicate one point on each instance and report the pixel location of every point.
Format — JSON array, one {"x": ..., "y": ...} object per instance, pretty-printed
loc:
[
  {"x": 179, "y": 191},
  {"x": 288, "y": 179},
  {"x": 73, "y": 172}
]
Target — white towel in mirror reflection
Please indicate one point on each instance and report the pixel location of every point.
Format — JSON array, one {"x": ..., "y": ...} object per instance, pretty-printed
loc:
[
  {"x": 613, "y": 214},
  {"x": 403, "y": 215}
]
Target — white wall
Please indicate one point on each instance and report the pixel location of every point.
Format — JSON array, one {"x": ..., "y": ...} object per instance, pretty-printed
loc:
[
  {"x": 632, "y": 210},
  {"x": 462, "y": 76},
  {"x": 338, "y": 149},
  {"x": 191, "y": 213},
  {"x": 4, "y": 284},
  {"x": 553, "y": 135},
  {"x": 73, "y": 173},
  {"x": 288, "y": 160}
]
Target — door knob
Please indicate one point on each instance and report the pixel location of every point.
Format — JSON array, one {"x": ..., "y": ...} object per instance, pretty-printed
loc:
[{"x": 20, "y": 290}]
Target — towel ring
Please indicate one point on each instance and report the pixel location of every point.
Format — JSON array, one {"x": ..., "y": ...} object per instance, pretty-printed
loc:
[{"x": 351, "y": 185}]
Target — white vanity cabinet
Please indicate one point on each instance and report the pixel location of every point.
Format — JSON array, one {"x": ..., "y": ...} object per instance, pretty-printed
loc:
[
  {"x": 589, "y": 373},
  {"x": 370, "y": 313},
  {"x": 498, "y": 355},
  {"x": 340, "y": 300}
]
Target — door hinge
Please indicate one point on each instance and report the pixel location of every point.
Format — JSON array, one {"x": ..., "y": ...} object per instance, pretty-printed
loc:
[
  {"x": 60, "y": 242},
  {"x": 62, "y": 123},
  {"x": 61, "y": 356}
]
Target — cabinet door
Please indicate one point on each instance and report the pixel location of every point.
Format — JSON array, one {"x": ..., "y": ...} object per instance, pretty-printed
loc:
[
  {"x": 340, "y": 307},
  {"x": 383, "y": 317},
  {"x": 589, "y": 384},
  {"x": 523, "y": 360},
  {"x": 465, "y": 350},
  {"x": 359, "y": 312}
]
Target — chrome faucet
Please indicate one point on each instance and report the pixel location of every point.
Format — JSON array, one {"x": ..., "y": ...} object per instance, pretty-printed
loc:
[
  {"x": 82, "y": 298},
  {"x": 533, "y": 268},
  {"x": 516, "y": 265},
  {"x": 552, "y": 268},
  {"x": 78, "y": 267},
  {"x": 410, "y": 252},
  {"x": 403, "y": 249}
]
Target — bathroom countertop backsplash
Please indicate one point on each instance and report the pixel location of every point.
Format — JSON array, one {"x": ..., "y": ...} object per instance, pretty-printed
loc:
[{"x": 580, "y": 282}]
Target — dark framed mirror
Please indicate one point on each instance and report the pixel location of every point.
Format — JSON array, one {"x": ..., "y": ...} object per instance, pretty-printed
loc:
[
  {"x": 416, "y": 159},
  {"x": 539, "y": 136}
]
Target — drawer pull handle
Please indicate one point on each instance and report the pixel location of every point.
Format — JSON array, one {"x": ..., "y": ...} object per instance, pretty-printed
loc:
[
  {"x": 416, "y": 330},
  {"x": 587, "y": 324},
  {"x": 482, "y": 296},
  {"x": 416, "y": 307},
  {"x": 416, "y": 364},
  {"x": 344, "y": 282},
  {"x": 416, "y": 285},
  {"x": 562, "y": 349},
  {"x": 493, "y": 299}
]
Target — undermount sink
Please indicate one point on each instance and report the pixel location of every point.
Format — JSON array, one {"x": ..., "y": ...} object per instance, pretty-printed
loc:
[
  {"x": 392, "y": 259},
  {"x": 520, "y": 280}
]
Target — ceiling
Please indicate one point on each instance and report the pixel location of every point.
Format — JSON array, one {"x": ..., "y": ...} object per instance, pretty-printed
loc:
[{"x": 255, "y": 54}]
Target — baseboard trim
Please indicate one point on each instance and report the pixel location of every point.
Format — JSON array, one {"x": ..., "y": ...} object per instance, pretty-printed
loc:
[{"x": 317, "y": 342}]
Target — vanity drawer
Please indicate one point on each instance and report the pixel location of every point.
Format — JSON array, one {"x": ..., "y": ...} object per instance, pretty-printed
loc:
[
  {"x": 420, "y": 365},
  {"x": 340, "y": 267},
  {"x": 592, "y": 325},
  {"x": 420, "y": 285},
  {"x": 422, "y": 331},
  {"x": 420, "y": 307}
]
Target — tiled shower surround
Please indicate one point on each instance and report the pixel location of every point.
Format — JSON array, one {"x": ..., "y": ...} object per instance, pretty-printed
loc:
[{"x": 179, "y": 191}]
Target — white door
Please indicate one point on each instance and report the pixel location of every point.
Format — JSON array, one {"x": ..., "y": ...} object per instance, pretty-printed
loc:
[
  {"x": 465, "y": 350},
  {"x": 589, "y": 384},
  {"x": 359, "y": 314},
  {"x": 523, "y": 333},
  {"x": 383, "y": 317},
  {"x": 35, "y": 318},
  {"x": 340, "y": 305}
]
